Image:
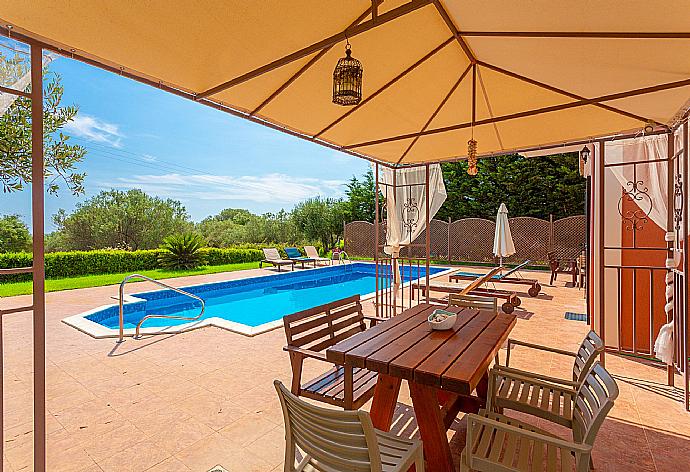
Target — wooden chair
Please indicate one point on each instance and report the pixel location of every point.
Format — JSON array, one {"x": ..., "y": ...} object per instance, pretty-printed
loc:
[
  {"x": 472, "y": 301},
  {"x": 498, "y": 443},
  {"x": 562, "y": 265},
  {"x": 332, "y": 440},
  {"x": 581, "y": 270},
  {"x": 309, "y": 333}
]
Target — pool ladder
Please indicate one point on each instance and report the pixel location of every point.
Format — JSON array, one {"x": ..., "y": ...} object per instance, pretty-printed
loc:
[{"x": 161, "y": 284}]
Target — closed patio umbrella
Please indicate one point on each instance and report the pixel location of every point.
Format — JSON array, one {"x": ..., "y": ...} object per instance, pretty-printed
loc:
[{"x": 503, "y": 240}]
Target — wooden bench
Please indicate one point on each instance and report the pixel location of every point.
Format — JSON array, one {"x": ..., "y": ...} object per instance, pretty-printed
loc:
[{"x": 309, "y": 333}]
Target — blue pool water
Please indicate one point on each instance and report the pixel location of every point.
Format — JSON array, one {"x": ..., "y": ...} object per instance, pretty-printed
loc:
[{"x": 253, "y": 301}]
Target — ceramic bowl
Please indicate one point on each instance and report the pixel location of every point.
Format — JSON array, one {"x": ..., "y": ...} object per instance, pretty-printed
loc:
[{"x": 447, "y": 321}]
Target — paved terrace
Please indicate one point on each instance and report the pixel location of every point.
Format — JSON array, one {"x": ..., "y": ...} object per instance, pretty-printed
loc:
[{"x": 203, "y": 398}]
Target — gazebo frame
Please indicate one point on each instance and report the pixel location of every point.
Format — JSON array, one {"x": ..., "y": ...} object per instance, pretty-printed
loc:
[{"x": 320, "y": 48}]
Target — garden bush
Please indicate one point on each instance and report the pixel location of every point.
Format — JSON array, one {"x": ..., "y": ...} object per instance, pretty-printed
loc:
[{"x": 79, "y": 263}]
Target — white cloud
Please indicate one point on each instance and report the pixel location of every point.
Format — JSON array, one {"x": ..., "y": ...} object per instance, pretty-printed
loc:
[
  {"x": 269, "y": 188},
  {"x": 149, "y": 158},
  {"x": 95, "y": 129}
]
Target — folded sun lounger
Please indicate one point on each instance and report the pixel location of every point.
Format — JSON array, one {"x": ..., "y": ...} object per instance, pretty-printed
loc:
[
  {"x": 473, "y": 288},
  {"x": 314, "y": 254},
  {"x": 506, "y": 278},
  {"x": 296, "y": 256},
  {"x": 272, "y": 256}
]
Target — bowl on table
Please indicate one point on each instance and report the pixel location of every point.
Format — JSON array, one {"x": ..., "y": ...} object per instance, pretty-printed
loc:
[{"x": 442, "y": 319}]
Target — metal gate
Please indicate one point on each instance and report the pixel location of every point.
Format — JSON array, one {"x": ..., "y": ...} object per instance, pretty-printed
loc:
[{"x": 639, "y": 265}]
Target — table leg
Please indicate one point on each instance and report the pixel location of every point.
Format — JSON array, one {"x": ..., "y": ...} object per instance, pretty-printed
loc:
[
  {"x": 431, "y": 428},
  {"x": 483, "y": 387},
  {"x": 385, "y": 401}
]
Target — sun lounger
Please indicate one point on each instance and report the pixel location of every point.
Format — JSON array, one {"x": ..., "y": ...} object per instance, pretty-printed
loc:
[
  {"x": 472, "y": 288},
  {"x": 272, "y": 256},
  {"x": 506, "y": 278},
  {"x": 296, "y": 256},
  {"x": 314, "y": 254}
]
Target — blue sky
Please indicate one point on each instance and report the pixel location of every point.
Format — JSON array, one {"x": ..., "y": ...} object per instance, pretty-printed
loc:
[{"x": 140, "y": 137}]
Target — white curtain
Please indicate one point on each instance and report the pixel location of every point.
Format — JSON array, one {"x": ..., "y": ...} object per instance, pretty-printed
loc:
[
  {"x": 406, "y": 206},
  {"x": 22, "y": 83},
  {"x": 652, "y": 175},
  {"x": 406, "y": 203}
]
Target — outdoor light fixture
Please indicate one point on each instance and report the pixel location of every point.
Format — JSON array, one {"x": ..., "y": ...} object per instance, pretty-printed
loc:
[
  {"x": 472, "y": 157},
  {"x": 347, "y": 80},
  {"x": 649, "y": 127},
  {"x": 584, "y": 154}
]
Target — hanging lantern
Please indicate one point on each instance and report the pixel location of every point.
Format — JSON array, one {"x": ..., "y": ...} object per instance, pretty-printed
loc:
[
  {"x": 347, "y": 80},
  {"x": 472, "y": 157}
]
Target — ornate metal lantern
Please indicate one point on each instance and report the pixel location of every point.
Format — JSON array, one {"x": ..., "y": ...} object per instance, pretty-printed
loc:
[
  {"x": 472, "y": 157},
  {"x": 584, "y": 154},
  {"x": 347, "y": 80}
]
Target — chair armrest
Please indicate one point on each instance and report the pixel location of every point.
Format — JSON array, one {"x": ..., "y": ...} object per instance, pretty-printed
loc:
[
  {"x": 512, "y": 342},
  {"x": 306, "y": 353},
  {"x": 473, "y": 420},
  {"x": 529, "y": 378},
  {"x": 375, "y": 319},
  {"x": 538, "y": 376}
]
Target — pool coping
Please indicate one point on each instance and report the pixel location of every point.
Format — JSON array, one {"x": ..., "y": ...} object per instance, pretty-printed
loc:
[{"x": 98, "y": 331}]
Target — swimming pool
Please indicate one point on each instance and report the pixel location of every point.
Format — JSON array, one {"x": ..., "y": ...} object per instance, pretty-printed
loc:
[{"x": 249, "y": 306}]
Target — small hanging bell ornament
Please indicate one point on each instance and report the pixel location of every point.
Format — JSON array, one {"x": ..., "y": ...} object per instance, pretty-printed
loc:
[{"x": 472, "y": 157}]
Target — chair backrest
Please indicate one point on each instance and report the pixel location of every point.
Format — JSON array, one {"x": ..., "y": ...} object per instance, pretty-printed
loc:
[
  {"x": 311, "y": 251},
  {"x": 473, "y": 301},
  {"x": 481, "y": 280},
  {"x": 594, "y": 400},
  {"x": 321, "y": 327},
  {"x": 514, "y": 269},
  {"x": 292, "y": 252},
  {"x": 335, "y": 439},
  {"x": 587, "y": 355},
  {"x": 271, "y": 254}
]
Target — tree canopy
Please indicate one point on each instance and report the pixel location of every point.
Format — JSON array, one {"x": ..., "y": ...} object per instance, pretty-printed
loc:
[
  {"x": 124, "y": 220},
  {"x": 538, "y": 187},
  {"x": 321, "y": 219},
  {"x": 14, "y": 234},
  {"x": 360, "y": 203},
  {"x": 61, "y": 157}
]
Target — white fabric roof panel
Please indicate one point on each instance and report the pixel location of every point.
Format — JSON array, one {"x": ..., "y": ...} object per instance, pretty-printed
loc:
[{"x": 195, "y": 46}]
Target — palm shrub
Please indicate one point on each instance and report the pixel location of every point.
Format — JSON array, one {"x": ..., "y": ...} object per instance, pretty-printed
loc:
[{"x": 182, "y": 251}]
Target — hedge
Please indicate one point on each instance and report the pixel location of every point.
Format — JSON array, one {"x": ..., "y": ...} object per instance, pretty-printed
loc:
[{"x": 78, "y": 263}]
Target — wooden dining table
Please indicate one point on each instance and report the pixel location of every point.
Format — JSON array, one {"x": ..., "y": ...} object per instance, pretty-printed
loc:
[{"x": 447, "y": 371}]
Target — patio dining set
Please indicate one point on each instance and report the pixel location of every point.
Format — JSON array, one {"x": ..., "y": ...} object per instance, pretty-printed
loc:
[{"x": 448, "y": 372}]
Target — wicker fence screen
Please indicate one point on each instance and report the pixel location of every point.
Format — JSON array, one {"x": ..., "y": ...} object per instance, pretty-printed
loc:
[
  {"x": 568, "y": 236},
  {"x": 531, "y": 238},
  {"x": 471, "y": 239}
]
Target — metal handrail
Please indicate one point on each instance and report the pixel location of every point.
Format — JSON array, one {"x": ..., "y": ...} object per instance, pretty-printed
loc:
[{"x": 161, "y": 284}]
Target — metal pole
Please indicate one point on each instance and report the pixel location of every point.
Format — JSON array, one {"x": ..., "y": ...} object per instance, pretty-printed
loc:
[
  {"x": 670, "y": 151},
  {"x": 39, "y": 302},
  {"x": 686, "y": 265},
  {"x": 376, "y": 237},
  {"x": 428, "y": 232},
  {"x": 600, "y": 292}
]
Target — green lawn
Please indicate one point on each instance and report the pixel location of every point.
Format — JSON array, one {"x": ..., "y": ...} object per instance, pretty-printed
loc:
[{"x": 55, "y": 285}]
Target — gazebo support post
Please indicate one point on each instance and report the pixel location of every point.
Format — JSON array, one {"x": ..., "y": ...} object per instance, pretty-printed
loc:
[
  {"x": 686, "y": 266},
  {"x": 600, "y": 291},
  {"x": 379, "y": 312},
  {"x": 37, "y": 213},
  {"x": 428, "y": 234},
  {"x": 670, "y": 369}
]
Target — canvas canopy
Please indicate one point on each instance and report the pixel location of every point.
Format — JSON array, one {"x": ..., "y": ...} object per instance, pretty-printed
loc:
[{"x": 515, "y": 75}]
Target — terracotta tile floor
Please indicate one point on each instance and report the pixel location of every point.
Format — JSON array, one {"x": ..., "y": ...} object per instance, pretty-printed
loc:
[{"x": 204, "y": 398}]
